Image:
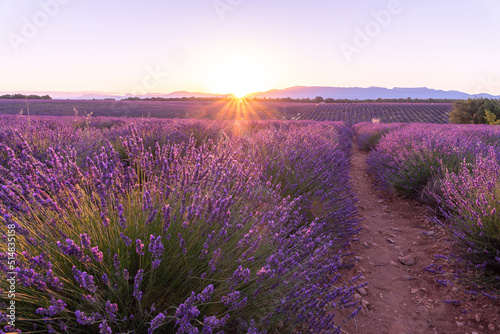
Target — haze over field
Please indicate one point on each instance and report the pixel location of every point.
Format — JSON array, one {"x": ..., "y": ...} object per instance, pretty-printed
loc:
[{"x": 239, "y": 46}]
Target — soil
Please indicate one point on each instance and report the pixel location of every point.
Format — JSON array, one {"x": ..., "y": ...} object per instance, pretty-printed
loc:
[{"x": 405, "y": 298}]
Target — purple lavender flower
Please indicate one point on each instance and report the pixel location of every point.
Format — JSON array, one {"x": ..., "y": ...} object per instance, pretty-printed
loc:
[
  {"x": 111, "y": 309},
  {"x": 116, "y": 263},
  {"x": 147, "y": 203},
  {"x": 57, "y": 306},
  {"x": 40, "y": 261},
  {"x": 231, "y": 298},
  {"x": 11, "y": 329},
  {"x": 155, "y": 246},
  {"x": 139, "y": 247},
  {"x": 182, "y": 243},
  {"x": 156, "y": 263},
  {"x": 252, "y": 328},
  {"x": 185, "y": 312},
  {"x": 157, "y": 322},
  {"x": 85, "y": 241},
  {"x": 241, "y": 275},
  {"x": 121, "y": 217},
  {"x": 72, "y": 249},
  {"x": 206, "y": 294},
  {"x": 104, "y": 328},
  {"x": 166, "y": 217},
  {"x": 63, "y": 326},
  {"x": 105, "y": 219},
  {"x": 215, "y": 260},
  {"x": 212, "y": 323},
  {"x": 98, "y": 255},
  {"x": 126, "y": 239},
  {"x": 82, "y": 319},
  {"x": 137, "y": 282},
  {"x": 85, "y": 280}
]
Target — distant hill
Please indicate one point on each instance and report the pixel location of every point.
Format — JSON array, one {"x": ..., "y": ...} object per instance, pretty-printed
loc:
[
  {"x": 178, "y": 94},
  {"x": 299, "y": 92},
  {"x": 117, "y": 96},
  {"x": 182, "y": 94}
]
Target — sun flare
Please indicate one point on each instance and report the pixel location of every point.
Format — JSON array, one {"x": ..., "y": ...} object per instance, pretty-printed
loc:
[{"x": 238, "y": 77}]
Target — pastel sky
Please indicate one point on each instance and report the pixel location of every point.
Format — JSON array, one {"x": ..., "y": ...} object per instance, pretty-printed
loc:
[{"x": 225, "y": 46}]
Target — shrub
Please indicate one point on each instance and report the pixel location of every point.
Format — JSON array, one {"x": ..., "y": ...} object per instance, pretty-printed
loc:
[
  {"x": 470, "y": 201},
  {"x": 408, "y": 159},
  {"x": 473, "y": 111},
  {"x": 310, "y": 165}
]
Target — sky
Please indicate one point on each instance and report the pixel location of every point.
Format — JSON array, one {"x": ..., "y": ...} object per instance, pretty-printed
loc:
[{"x": 242, "y": 46}]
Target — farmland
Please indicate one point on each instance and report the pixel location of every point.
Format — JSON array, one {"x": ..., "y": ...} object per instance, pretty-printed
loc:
[
  {"x": 192, "y": 225},
  {"x": 176, "y": 226},
  {"x": 351, "y": 113}
]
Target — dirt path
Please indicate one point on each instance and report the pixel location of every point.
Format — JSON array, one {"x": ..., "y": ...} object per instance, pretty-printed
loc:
[{"x": 403, "y": 298}]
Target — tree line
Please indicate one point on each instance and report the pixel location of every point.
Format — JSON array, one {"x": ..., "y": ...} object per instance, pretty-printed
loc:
[
  {"x": 476, "y": 111},
  {"x": 24, "y": 97},
  {"x": 192, "y": 98},
  {"x": 317, "y": 99}
]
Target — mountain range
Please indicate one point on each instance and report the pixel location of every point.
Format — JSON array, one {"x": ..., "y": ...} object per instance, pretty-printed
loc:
[
  {"x": 296, "y": 92},
  {"x": 353, "y": 93}
]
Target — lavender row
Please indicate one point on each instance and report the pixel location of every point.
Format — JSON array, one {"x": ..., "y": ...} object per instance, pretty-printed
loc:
[
  {"x": 369, "y": 134},
  {"x": 416, "y": 156},
  {"x": 175, "y": 226},
  {"x": 455, "y": 169},
  {"x": 353, "y": 113},
  {"x": 470, "y": 202}
]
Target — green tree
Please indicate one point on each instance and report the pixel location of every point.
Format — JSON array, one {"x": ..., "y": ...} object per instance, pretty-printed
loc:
[
  {"x": 491, "y": 118},
  {"x": 473, "y": 111}
]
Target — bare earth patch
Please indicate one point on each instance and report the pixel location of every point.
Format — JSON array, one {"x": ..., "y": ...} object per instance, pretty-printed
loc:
[{"x": 396, "y": 243}]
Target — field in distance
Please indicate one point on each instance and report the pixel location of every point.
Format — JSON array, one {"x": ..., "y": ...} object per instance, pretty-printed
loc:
[{"x": 351, "y": 113}]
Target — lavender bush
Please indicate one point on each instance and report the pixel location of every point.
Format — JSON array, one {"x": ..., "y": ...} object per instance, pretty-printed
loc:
[
  {"x": 414, "y": 157},
  {"x": 186, "y": 235},
  {"x": 470, "y": 203},
  {"x": 311, "y": 166}
]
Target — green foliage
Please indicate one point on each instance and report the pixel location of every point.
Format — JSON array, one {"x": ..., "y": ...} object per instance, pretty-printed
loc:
[
  {"x": 491, "y": 118},
  {"x": 473, "y": 111},
  {"x": 24, "y": 97},
  {"x": 318, "y": 99}
]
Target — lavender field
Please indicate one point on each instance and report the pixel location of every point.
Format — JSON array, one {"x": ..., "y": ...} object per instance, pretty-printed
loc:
[
  {"x": 117, "y": 226},
  {"x": 351, "y": 113}
]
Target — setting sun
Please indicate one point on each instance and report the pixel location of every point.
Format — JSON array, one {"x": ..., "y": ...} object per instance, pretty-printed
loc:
[{"x": 237, "y": 77}]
